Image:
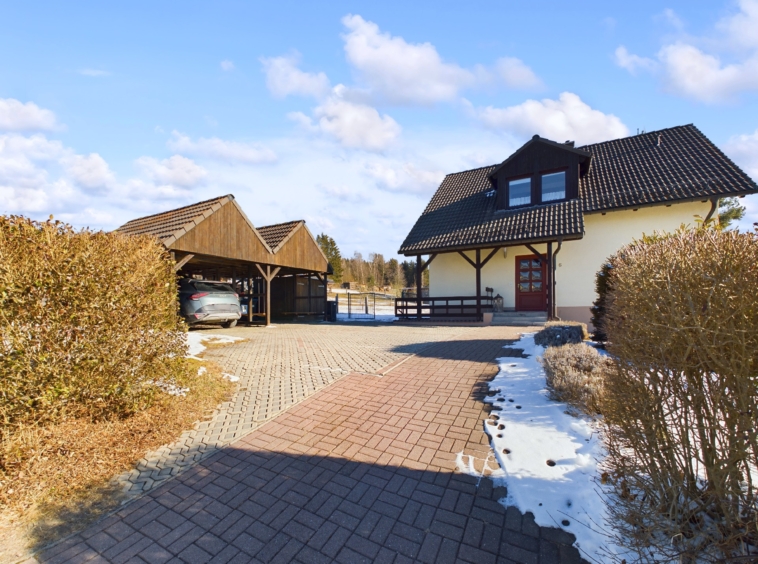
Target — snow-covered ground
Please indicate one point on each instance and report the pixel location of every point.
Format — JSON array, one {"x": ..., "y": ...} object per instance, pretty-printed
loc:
[
  {"x": 549, "y": 458},
  {"x": 195, "y": 340}
]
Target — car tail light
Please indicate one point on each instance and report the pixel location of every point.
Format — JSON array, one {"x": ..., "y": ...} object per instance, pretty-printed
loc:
[{"x": 198, "y": 295}]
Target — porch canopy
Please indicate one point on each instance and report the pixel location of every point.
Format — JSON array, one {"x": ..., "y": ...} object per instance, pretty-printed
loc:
[{"x": 280, "y": 268}]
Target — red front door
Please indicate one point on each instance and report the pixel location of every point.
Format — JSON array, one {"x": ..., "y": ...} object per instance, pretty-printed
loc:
[{"x": 531, "y": 294}]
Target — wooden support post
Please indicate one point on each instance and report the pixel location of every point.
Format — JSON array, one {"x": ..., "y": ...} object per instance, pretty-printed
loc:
[
  {"x": 549, "y": 281},
  {"x": 478, "y": 285},
  {"x": 268, "y": 276},
  {"x": 310, "y": 308},
  {"x": 418, "y": 287},
  {"x": 249, "y": 294},
  {"x": 178, "y": 266}
]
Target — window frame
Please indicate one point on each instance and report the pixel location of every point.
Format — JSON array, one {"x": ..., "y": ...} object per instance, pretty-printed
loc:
[
  {"x": 565, "y": 171},
  {"x": 508, "y": 181}
]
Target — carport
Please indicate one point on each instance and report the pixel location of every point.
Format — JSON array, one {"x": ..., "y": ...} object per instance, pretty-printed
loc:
[{"x": 279, "y": 269}]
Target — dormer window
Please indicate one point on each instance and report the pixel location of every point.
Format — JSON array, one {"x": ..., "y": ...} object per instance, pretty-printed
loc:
[
  {"x": 519, "y": 192},
  {"x": 554, "y": 186}
]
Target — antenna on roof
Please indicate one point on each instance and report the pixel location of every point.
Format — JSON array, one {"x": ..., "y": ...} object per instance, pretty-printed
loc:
[{"x": 659, "y": 139}]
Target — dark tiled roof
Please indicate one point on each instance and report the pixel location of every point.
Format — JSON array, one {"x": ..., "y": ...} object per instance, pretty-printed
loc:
[
  {"x": 462, "y": 215},
  {"x": 637, "y": 171},
  {"x": 629, "y": 172},
  {"x": 275, "y": 234},
  {"x": 171, "y": 224}
]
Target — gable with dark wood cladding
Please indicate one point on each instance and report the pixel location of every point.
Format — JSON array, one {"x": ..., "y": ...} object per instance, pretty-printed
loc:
[{"x": 534, "y": 160}]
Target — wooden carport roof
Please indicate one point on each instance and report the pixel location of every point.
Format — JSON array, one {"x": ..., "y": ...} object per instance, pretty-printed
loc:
[{"x": 217, "y": 230}]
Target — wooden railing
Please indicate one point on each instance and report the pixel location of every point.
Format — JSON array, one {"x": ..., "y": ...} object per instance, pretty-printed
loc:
[{"x": 445, "y": 307}]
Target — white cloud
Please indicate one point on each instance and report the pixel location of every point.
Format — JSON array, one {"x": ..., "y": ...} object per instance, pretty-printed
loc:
[
  {"x": 343, "y": 193},
  {"x": 671, "y": 18},
  {"x": 515, "y": 74},
  {"x": 91, "y": 172},
  {"x": 283, "y": 77},
  {"x": 740, "y": 28},
  {"x": 690, "y": 71},
  {"x": 633, "y": 63},
  {"x": 94, "y": 72},
  {"x": 17, "y": 116},
  {"x": 176, "y": 171},
  {"x": 568, "y": 118},
  {"x": 215, "y": 148},
  {"x": 353, "y": 125},
  {"x": 356, "y": 126},
  {"x": 227, "y": 65},
  {"x": 406, "y": 178},
  {"x": 400, "y": 71},
  {"x": 743, "y": 149}
]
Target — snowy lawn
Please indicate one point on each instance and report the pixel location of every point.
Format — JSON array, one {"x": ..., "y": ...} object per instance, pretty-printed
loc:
[{"x": 549, "y": 458}]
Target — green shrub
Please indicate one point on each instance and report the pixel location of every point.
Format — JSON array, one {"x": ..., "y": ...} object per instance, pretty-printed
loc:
[
  {"x": 681, "y": 405},
  {"x": 557, "y": 333},
  {"x": 575, "y": 374},
  {"x": 88, "y": 320},
  {"x": 602, "y": 285}
]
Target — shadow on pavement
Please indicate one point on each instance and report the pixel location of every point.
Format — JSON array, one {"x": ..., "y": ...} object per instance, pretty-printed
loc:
[{"x": 249, "y": 506}]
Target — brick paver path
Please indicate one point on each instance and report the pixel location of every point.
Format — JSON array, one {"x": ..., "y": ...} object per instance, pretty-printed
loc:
[
  {"x": 363, "y": 470},
  {"x": 277, "y": 368}
]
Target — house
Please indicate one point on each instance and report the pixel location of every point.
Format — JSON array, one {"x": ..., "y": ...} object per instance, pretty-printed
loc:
[{"x": 537, "y": 227}]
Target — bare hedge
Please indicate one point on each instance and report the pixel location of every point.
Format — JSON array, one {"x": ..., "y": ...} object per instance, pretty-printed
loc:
[
  {"x": 682, "y": 405},
  {"x": 575, "y": 374},
  {"x": 88, "y": 320}
]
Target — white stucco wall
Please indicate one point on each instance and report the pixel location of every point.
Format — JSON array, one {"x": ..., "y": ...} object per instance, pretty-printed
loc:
[{"x": 578, "y": 261}]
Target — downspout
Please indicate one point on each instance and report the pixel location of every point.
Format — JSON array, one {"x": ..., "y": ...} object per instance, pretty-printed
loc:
[
  {"x": 714, "y": 207},
  {"x": 554, "y": 301}
]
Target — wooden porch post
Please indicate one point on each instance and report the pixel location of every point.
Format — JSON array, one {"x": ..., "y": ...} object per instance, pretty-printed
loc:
[
  {"x": 478, "y": 285},
  {"x": 549, "y": 281},
  {"x": 418, "y": 287}
]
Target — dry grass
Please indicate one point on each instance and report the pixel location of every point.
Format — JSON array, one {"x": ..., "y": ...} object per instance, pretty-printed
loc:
[
  {"x": 575, "y": 374},
  {"x": 57, "y": 478}
]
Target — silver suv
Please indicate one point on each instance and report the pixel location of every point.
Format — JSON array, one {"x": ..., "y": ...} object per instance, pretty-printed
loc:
[{"x": 204, "y": 301}]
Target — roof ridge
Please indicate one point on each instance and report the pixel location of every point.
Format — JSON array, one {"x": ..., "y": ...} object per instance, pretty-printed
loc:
[
  {"x": 280, "y": 224},
  {"x": 230, "y": 196}
]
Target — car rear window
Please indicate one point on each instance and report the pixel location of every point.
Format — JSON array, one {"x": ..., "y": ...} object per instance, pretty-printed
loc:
[{"x": 205, "y": 287}]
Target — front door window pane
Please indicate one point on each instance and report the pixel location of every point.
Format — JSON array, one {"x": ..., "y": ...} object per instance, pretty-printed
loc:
[
  {"x": 524, "y": 286},
  {"x": 536, "y": 286},
  {"x": 520, "y": 192},
  {"x": 536, "y": 275},
  {"x": 553, "y": 186}
]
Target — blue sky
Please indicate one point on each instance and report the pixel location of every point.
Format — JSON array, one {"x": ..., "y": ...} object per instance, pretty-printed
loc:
[{"x": 346, "y": 114}]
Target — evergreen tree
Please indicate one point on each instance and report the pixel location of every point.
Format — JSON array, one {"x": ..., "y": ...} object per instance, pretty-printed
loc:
[
  {"x": 730, "y": 210},
  {"x": 332, "y": 252}
]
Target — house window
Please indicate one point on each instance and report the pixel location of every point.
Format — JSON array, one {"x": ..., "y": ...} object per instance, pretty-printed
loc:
[
  {"x": 553, "y": 186},
  {"x": 520, "y": 192}
]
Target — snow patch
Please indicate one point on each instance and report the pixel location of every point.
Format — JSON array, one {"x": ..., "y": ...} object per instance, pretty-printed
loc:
[
  {"x": 549, "y": 458},
  {"x": 231, "y": 377},
  {"x": 196, "y": 341}
]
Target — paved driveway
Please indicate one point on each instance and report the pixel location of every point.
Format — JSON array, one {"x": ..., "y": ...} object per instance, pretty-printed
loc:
[{"x": 366, "y": 469}]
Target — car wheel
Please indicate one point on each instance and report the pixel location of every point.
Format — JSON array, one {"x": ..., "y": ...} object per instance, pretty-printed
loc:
[{"x": 230, "y": 324}]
